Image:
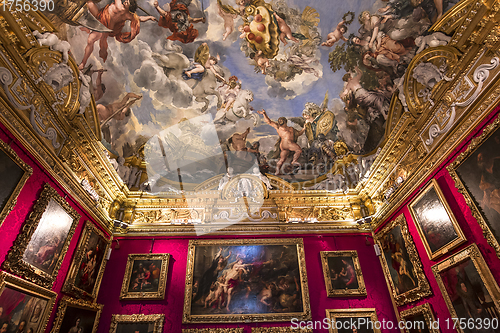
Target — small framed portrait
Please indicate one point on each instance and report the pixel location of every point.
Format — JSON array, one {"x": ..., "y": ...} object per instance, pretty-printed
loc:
[
  {"x": 436, "y": 224},
  {"x": 469, "y": 289},
  {"x": 476, "y": 173},
  {"x": 342, "y": 272},
  {"x": 401, "y": 263},
  {"x": 85, "y": 274},
  {"x": 42, "y": 244},
  {"x": 137, "y": 323},
  {"x": 24, "y": 306},
  {"x": 353, "y": 321},
  {"x": 77, "y": 316},
  {"x": 234, "y": 280},
  {"x": 13, "y": 175},
  {"x": 145, "y": 276},
  {"x": 420, "y": 319}
]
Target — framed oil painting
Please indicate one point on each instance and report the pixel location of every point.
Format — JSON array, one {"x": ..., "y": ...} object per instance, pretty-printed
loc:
[
  {"x": 13, "y": 175},
  {"x": 401, "y": 263},
  {"x": 476, "y": 173},
  {"x": 469, "y": 289},
  {"x": 145, "y": 276},
  {"x": 420, "y": 319},
  {"x": 246, "y": 279},
  {"x": 42, "y": 244},
  {"x": 436, "y": 224},
  {"x": 352, "y": 320},
  {"x": 25, "y": 306},
  {"x": 85, "y": 274},
  {"x": 77, "y": 316},
  {"x": 137, "y": 323},
  {"x": 342, "y": 273}
]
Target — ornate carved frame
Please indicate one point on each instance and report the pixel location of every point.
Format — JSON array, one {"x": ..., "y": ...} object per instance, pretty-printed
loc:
[
  {"x": 15, "y": 263},
  {"x": 157, "y": 319},
  {"x": 475, "y": 209},
  {"x": 160, "y": 294},
  {"x": 69, "y": 285},
  {"x": 213, "y": 330},
  {"x": 361, "y": 291},
  {"x": 423, "y": 288},
  {"x": 282, "y": 329},
  {"x": 460, "y": 235},
  {"x": 76, "y": 303},
  {"x": 470, "y": 252},
  {"x": 426, "y": 311},
  {"x": 28, "y": 171},
  {"x": 332, "y": 315},
  {"x": 13, "y": 282},
  {"x": 238, "y": 318}
]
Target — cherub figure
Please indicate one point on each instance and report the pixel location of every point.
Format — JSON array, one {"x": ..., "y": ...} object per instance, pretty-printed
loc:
[
  {"x": 336, "y": 35},
  {"x": 202, "y": 61},
  {"x": 261, "y": 61},
  {"x": 285, "y": 29},
  {"x": 228, "y": 21}
]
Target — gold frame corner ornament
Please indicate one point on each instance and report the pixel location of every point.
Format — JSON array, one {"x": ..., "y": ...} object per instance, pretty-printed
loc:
[
  {"x": 20, "y": 285},
  {"x": 333, "y": 314},
  {"x": 188, "y": 318},
  {"x": 360, "y": 291},
  {"x": 69, "y": 285},
  {"x": 160, "y": 293},
  {"x": 422, "y": 289},
  {"x": 77, "y": 303},
  {"x": 423, "y": 309},
  {"x": 157, "y": 319},
  {"x": 28, "y": 171},
  {"x": 472, "y": 253},
  {"x": 15, "y": 262},
  {"x": 460, "y": 239}
]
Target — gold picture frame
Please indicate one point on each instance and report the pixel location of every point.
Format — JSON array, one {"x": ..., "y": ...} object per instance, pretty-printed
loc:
[
  {"x": 155, "y": 320},
  {"x": 467, "y": 187},
  {"x": 38, "y": 302},
  {"x": 84, "y": 310},
  {"x": 435, "y": 222},
  {"x": 43, "y": 241},
  {"x": 397, "y": 244},
  {"x": 153, "y": 288},
  {"x": 347, "y": 262},
  {"x": 467, "y": 275},
  {"x": 421, "y": 313},
  {"x": 15, "y": 161},
  {"x": 281, "y": 329},
  {"x": 213, "y": 330},
  {"x": 232, "y": 251},
  {"x": 343, "y": 314},
  {"x": 93, "y": 246}
]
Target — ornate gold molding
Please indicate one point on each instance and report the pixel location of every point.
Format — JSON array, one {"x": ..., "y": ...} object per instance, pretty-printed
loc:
[{"x": 76, "y": 303}]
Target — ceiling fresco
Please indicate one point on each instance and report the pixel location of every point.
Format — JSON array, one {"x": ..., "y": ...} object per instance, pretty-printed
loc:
[{"x": 190, "y": 90}]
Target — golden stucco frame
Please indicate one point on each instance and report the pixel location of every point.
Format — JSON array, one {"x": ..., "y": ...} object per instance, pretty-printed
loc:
[
  {"x": 422, "y": 289},
  {"x": 15, "y": 283},
  {"x": 360, "y": 291},
  {"x": 470, "y": 252},
  {"x": 28, "y": 171},
  {"x": 15, "y": 262},
  {"x": 188, "y": 318},
  {"x": 157, "y": 319},
  {"x": 476, "y": 211},
  {"x": 460, "y": 235},
  {"x": 77, "y": 303},
  {"x": 160, "y": 293},
  {"x": 425, "y": 310},
  {"x": 69, "y": 285},
  {"x": 332, "y": 315}
]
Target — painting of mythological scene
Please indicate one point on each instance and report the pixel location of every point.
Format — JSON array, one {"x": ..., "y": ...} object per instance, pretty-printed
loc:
[
  {"x": 145, "y": 276},
  {"x": 342, "y": 273},
  {"x": 469, "y": 289},
  {"x": 479, "y": 172},
  {"x": 203, "y": 88},
  {"x": 229, "y": 281}
]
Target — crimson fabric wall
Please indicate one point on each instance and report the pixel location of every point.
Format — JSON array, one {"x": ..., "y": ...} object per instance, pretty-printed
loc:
[
  {"x": 25, "y": 201},
  {"x": 172, "y": 306},
  {"x": 467, "y": 222}
]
